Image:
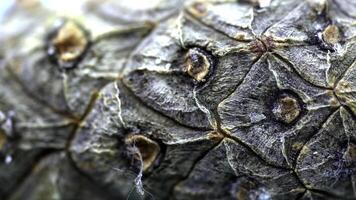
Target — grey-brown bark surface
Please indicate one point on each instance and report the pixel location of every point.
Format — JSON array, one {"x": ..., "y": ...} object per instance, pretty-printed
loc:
[{"x": 217, "y": 99}]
